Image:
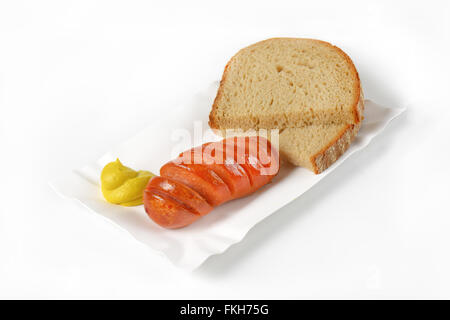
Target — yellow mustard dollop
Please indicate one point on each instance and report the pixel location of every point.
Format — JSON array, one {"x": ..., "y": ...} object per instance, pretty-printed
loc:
[{"x": 122, "y": 185}]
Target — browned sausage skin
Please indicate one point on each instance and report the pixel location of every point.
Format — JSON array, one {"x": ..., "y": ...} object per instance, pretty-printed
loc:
[{"x": 207, "y": 176}]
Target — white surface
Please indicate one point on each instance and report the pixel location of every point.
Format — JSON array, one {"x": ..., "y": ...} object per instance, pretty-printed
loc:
[
  {"x": 78, "y": 77},
  {"x": 189, "y": 247}
]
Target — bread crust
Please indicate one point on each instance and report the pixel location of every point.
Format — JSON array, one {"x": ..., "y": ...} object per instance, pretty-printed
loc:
[
  {"x": 330, "y": 153},
  {"x": 357, "y": 112}
]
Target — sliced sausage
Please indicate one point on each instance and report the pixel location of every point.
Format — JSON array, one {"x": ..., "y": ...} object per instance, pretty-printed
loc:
[
  {"x": 167, "y": 212},
  {"x": 200, "y": 178},
  {"x": 189, "y": 198},
  {"x": 207, "y": 176}
]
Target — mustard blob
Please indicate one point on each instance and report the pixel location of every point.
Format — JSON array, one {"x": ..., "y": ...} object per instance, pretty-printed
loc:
[{"x": 122, "y": 185}]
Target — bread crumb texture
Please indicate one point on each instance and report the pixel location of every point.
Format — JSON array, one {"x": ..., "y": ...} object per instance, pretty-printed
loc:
[
  {"x": 308, "y": 89},
  {"x": 287, "y": 82}
]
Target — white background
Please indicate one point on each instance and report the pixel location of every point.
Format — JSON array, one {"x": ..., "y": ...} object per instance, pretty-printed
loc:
[{"x": 78, "y": 77}]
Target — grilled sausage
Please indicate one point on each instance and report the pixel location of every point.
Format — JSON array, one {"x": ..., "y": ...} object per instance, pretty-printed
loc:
[{"x": 206, "y": 176}]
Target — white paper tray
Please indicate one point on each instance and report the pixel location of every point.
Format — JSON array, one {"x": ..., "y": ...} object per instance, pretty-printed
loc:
[{"x": 228, "y": 224}]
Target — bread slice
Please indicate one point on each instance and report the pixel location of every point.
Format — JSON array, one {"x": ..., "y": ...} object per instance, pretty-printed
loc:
[
  {"x": 308, "y": 89},
  {"x": 316, "y": 147},
  {"x": 287, "y": 83}
]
